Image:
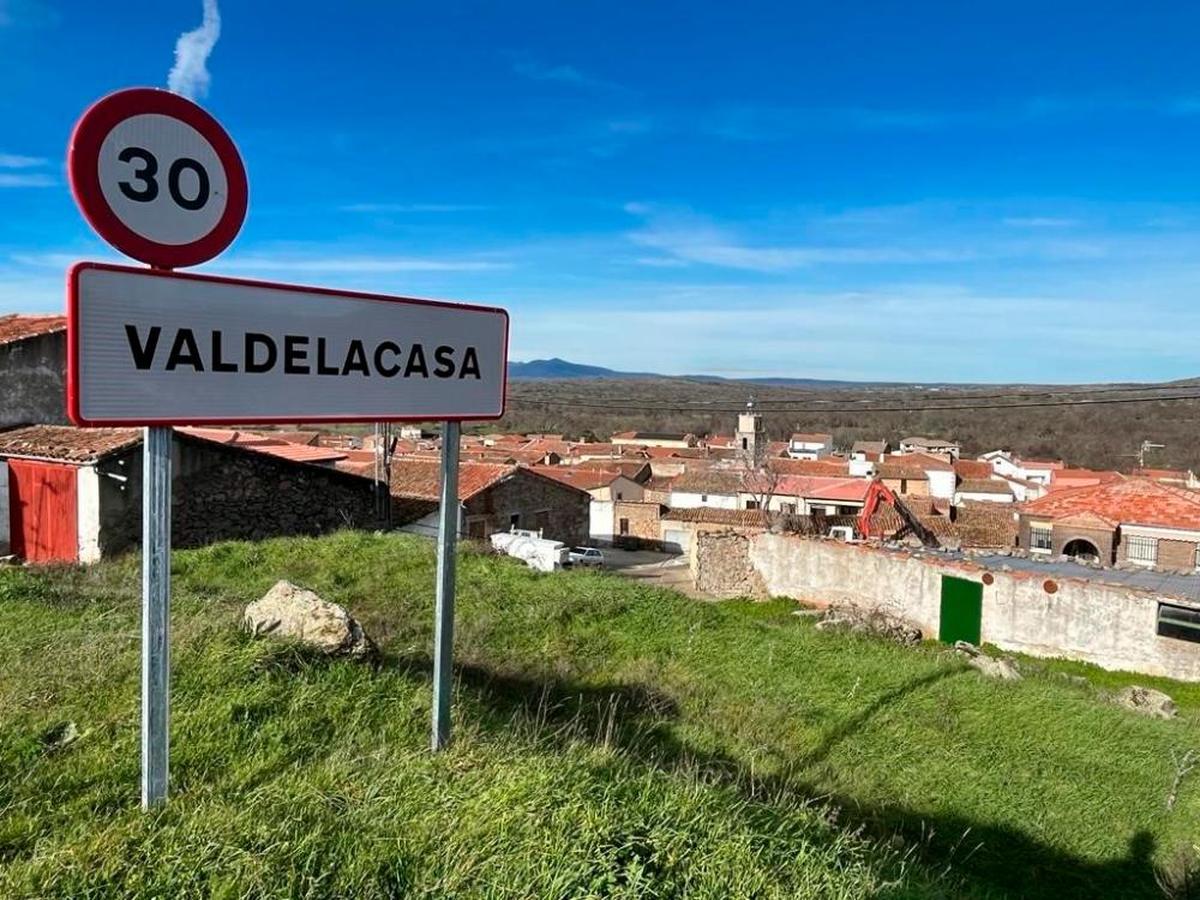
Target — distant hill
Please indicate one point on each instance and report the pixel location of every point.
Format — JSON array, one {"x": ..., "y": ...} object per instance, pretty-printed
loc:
[{"x": 560, "y": 369}]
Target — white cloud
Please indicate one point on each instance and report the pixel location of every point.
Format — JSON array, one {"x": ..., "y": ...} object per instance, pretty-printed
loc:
[
  {"x": 25, "y": 180},
  {"x": 702, "y": 243},
  {"x": 16, "y": 161},
  {"x": 189, "y": 76},
  {"x": 562, "y": 74}
]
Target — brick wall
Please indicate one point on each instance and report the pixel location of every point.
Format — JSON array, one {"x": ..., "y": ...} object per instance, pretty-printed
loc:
[
  {"x": 1172, "y": 554},
  {"x": 1103, "y": 540},
  {"x": 1177, "y": 554},
  {"x": 1060, "y": 536}
]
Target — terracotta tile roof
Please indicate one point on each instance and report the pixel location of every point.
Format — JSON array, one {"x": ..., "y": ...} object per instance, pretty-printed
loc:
[
  {"x": 309, "y": 438},
  {"x": 721, "y": 440},
  {"x": 266, "y": 444},
  {"x": 1162, "y": 474},
  {"x": 420, "y": 479},
  {"x": 65, "y": 443},
  {"x": 848, "y": 490},
  {"x": 928, "y": 461},
  {"x": 633, "y": 469},
  {"x": 744, "y": 518},
  {"x": 595, "y": 449},
  {"x": 1087, "y": 520},
  {"x": 586, "y": 479},
  {"x": 893, "y": 470},
  {"x": 973, "y": 468},
  {"x": 662, "y": 483},
  {"x": 1068, "y": 478},
  {"x": 830, "y": 468},
  {"x": 812, "y": 437},
  {"x": 709, "y": 481},
  {"x": 17, "y": 327},
  {"x": 887, "y": 521},
  {"x": 1134, "y": 501},
  {"x": 984, "y": 486},
  {"x": 654, "y": 436},
  {"x": 680, "y": 452},
  {"x": 870, "y": 448},
  {"x": 982, "y": 524},
  {"x": 1042, "y": 463}
]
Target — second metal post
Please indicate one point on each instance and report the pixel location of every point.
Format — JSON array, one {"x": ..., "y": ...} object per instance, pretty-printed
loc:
[
  {"x": 156, "y": 607},
  {"x": 447, "y": 539}
]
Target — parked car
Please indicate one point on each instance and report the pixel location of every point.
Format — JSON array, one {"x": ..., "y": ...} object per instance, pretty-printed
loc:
[{"x": 586, "y": 556}]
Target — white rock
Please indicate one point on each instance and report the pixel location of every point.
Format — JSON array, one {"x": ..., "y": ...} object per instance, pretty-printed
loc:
[
  {"x": 1147, "y": 701},
  {"x": 289, "y": 611}
]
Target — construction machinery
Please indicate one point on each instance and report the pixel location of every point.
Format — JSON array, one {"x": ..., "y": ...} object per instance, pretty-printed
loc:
[{"x": 879, "y": 493}]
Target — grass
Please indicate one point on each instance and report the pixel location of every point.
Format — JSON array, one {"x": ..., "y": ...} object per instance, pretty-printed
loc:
[{"x": 611, "y": 739}]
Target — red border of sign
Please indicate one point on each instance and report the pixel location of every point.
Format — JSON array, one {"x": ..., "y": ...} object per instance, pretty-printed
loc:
[
  {"x": 73, "y": 392},
  {"x": 82, "y": 170}
]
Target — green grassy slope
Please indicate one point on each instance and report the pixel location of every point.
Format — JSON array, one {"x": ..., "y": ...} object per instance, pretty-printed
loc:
[{"x": 612, "y": 740}]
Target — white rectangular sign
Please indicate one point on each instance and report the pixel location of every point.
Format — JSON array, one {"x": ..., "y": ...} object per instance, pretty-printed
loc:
[{"x": 154, "y": 347}]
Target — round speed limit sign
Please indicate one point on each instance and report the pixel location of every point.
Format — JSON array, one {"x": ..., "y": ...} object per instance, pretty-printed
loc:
[{"x": 157, "y": 177}]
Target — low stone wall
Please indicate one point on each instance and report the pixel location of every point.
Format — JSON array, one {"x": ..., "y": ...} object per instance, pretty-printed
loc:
[
  {"x": 722, "y": 566},
  {"x": 1111, "y": 625},
  {"x": 222, "y": 493}
]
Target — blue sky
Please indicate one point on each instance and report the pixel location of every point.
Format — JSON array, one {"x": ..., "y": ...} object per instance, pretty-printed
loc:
[{"x": 922, "y": 191}]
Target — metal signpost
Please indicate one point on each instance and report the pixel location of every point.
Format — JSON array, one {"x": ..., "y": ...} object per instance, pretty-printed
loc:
[{"x": 161, "y": 181}]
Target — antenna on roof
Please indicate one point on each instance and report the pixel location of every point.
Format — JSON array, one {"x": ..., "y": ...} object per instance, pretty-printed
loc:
[{"x": 1141, "y": 454}]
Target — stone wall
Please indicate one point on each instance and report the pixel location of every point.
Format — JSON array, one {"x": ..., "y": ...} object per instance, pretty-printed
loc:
[
  {"x": 644, "y": 521},
  {"x": 221, "y": 493},
  {"x": 559, "y": 511},
  {"x": 722, "y": 566},
  {"x": 1111, "y": 625},
  {"x": 33, "y": 374}
]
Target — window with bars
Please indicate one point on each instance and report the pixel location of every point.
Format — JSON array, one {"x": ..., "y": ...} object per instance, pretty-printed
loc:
[
  {"x": 1179, "y": 622},
  {"x": 1139, "y": 548},
  {"x": 1040, "y": 538}
]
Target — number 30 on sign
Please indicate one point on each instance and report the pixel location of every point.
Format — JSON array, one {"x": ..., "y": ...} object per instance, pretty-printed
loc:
[{"x": 157, "y": 177}]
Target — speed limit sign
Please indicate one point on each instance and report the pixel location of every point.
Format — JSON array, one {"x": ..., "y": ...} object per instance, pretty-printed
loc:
[{"x": 157, "y": 177}]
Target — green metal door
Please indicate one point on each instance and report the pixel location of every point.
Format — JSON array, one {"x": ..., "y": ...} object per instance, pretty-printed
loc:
[{"x": 962, "y": 610}]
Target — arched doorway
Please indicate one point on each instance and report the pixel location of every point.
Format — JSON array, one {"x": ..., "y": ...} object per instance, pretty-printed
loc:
[{"x": 1084, "y": 551}]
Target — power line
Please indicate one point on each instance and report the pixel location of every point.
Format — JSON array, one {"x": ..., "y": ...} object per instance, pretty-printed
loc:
[
  {"x": 759, "y": 403},
  {"x": 642, "y": 407}
]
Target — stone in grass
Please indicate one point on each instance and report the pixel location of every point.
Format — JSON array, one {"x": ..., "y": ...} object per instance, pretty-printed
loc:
[
  {"x": 60, "y": 735},
  {"x": 1003, "y": 667},
  {"x": 289, "y": 611},
  {"x": 1147, "y": 701}
]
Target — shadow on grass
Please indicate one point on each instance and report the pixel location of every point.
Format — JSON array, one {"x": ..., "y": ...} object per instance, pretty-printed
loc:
[{"x": 638, "y": 722}]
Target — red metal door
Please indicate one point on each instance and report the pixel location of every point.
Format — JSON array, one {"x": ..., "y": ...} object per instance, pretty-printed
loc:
[{"x": 42, "y": 511}]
